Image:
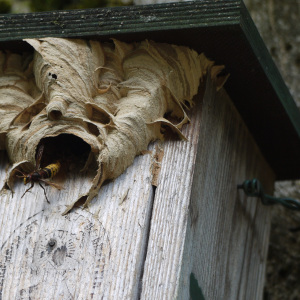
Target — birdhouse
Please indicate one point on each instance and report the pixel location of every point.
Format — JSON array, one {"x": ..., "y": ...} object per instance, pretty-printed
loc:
[{"x": 132, "y": 129}]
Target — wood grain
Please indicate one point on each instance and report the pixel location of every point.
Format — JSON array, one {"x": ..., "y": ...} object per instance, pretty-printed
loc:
[
  {"x": 200, "y": 223},
  {"x": 98, "y": 253},
  {"x": 137, "y": 241}
]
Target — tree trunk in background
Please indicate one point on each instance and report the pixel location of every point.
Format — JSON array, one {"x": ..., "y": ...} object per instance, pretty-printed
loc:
[{"x": 278, "y": 23}]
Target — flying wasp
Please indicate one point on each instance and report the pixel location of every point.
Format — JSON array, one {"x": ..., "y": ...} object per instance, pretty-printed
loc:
[{"x": 38, "y": 174}]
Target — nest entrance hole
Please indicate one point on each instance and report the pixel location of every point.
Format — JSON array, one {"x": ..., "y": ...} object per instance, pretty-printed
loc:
[
  {"x": 71, "y": 151},
  {"x": 55, "y": 114}
]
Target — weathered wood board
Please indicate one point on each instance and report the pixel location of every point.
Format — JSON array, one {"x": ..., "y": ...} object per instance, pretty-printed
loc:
[
  {"x": 201, "y": 224},
  {"x": 137, "y": 241},
  {"x": 97, "y": 253}
]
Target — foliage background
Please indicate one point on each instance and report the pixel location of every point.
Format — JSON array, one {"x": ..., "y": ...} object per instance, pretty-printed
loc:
[{"x": 278, "y": 23}]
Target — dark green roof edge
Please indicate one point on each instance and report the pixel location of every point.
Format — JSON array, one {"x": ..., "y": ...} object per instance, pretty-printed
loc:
[
  {"x": 222, "y": 29},
  {"x": 118, "y": 20}
]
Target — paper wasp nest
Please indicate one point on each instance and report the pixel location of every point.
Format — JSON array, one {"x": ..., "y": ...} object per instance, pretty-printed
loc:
[{"x": 114, "y": 96}]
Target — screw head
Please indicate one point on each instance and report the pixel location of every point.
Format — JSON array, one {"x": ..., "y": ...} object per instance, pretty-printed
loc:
[{"x": 52, "y": 243}]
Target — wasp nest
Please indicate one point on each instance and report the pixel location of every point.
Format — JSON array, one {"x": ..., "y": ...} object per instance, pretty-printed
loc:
[{"x": 114, "y": 96}]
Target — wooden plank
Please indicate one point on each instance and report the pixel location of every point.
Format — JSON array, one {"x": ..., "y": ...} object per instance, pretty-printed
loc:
[
  {"x": 110, "y": 21},
  {"x": 89, "y": 254},
  {"x": 201, "y": 225}
]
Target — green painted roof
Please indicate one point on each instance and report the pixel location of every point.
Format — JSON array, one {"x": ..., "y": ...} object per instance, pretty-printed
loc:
[{"x": 223, "y": 30}]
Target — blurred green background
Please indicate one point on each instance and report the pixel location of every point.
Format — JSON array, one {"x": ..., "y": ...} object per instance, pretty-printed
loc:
[{"x": 25, "y": 6}]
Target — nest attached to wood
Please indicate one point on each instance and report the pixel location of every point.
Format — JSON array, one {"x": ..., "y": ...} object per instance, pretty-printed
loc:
[{"x": 114, "y": 96}]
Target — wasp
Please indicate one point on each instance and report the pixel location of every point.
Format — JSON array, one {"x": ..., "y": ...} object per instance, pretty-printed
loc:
[{"x": 40, "y": 175}]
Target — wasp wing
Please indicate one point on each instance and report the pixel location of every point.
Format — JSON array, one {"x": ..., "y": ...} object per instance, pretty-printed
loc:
[{"x": 57, "y": 186}]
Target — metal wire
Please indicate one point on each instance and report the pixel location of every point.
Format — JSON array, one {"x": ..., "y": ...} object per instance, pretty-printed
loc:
[{"x": 253, "y": 188}]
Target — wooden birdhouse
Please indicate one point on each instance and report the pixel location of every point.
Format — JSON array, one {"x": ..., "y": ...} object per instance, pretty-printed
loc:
[{"x": 132, "y": 128}]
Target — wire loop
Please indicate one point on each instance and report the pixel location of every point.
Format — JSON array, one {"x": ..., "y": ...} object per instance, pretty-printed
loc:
[{"x": 253, "y": 188}]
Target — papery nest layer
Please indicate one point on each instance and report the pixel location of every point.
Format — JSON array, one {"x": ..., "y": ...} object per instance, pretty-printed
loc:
[{"x": 114, "y": 96}]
